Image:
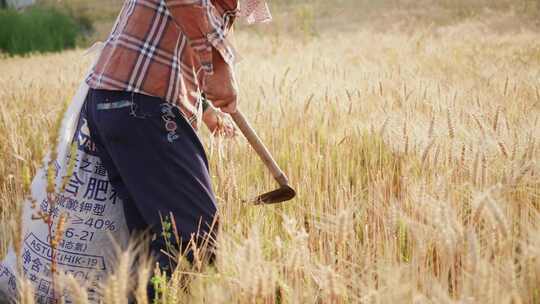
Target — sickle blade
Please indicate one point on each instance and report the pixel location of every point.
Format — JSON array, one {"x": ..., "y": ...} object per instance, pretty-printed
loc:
[{"x": 283, "y": 194}]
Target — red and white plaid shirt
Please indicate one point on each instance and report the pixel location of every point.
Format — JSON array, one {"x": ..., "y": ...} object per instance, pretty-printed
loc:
[{"x": 163, "y": 48}]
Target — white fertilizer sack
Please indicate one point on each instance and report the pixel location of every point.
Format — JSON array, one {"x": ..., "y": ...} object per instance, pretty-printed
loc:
[{"x": 95, "y": 219}]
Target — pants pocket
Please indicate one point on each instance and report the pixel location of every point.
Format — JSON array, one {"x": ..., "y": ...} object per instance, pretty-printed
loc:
[{"x": 114, "y": 105}]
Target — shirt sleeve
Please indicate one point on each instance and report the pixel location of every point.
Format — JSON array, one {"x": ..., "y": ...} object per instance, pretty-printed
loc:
[{"x": 204, "y": 28}]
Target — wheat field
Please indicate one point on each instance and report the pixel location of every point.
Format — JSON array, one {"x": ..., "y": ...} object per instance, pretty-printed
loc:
[{"x": 415, "y": 154}]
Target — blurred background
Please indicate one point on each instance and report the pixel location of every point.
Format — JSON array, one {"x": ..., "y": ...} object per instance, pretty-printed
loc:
[{"x": 51, "y": 25}]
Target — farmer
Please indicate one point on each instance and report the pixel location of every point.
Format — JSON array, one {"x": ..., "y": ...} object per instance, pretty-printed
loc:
[{"x": 145, "y": 104}]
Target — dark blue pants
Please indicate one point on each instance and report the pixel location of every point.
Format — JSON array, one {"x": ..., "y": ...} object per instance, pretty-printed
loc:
[{"x": 156, "y": 163}]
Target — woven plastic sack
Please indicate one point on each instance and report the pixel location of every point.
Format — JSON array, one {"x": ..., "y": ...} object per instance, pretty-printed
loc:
[{"x": 94, "y": 225}]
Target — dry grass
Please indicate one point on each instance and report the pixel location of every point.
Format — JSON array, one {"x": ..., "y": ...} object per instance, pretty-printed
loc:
[{"x": 415, "y": 155}]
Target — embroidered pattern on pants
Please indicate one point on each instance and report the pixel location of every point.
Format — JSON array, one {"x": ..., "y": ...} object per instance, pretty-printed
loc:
[{"x": 168, "y": 117}]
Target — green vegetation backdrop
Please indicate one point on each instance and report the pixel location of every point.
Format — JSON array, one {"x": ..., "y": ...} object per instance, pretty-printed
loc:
[{"x": 38, "y": 29}]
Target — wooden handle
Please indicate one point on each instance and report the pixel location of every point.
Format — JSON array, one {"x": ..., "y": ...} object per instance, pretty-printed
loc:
[{"x": 259, "y": 147}]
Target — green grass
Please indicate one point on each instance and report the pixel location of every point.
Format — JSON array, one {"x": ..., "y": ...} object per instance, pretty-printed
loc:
[{"x": 39, "y": 29}]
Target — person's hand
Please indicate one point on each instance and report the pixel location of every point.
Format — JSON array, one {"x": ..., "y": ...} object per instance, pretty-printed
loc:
[
  {"x": 220, "y": 124},
  {"x": 221, "y": 87}
]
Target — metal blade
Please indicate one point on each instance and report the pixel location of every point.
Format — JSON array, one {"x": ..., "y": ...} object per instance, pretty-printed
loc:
[{"x": 283, "y": 194}]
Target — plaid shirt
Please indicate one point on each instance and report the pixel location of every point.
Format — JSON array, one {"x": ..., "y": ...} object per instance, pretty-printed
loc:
[{"x": 163, "y": 48}]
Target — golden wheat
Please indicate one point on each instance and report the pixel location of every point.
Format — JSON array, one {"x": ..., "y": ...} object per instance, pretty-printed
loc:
[{"x": 399, "y": 145}]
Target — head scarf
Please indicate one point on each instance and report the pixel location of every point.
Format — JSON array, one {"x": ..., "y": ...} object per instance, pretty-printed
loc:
[{"x": 255, "y": 11}]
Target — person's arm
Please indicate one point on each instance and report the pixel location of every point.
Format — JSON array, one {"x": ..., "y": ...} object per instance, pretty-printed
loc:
[
  {"x": 207, "y": 39},
  {"x": 192, "y": 18}
]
